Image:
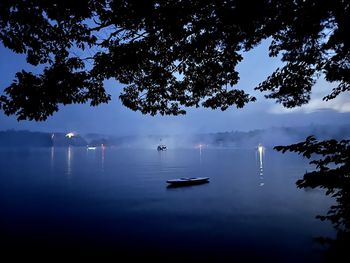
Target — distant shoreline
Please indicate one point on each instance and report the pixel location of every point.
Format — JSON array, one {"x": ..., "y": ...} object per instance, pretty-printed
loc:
[{"x": 234, "y": 139}]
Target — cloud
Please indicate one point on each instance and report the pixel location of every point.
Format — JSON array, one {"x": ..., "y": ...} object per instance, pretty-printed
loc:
[{"x": 340, "y": 104}]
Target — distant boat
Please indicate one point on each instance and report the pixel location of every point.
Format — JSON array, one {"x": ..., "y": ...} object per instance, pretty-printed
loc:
[
  {"x": 188, "y": 181},
  {"x": 161, "y": 147},
  {"x": 91, "y": 148}
]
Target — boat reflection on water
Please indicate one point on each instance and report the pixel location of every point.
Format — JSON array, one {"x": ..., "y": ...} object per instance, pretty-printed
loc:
[{"x": 261, "y": 151}]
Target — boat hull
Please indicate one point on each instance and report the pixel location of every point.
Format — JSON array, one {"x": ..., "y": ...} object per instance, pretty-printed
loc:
[{"x": 188, "y": 181}]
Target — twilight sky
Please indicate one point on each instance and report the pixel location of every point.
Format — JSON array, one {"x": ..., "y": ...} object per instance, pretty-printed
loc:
[{"x": 114, "y": 118}]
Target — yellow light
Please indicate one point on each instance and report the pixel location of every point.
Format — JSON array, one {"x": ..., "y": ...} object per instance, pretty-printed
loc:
[
  {"x": 70, "y": 135},
  {"x": 199, "y": 146}
]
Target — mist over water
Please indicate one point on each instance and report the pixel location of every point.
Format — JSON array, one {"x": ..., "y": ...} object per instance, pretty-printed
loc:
[
  {"x": 115, "y": 201},
  {"x": 57, "y": 194},
  {"x": 233, "y": 139},
  {"x": 229, "y": 139}
]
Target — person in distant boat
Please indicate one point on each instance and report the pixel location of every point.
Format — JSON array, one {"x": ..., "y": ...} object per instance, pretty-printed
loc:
[{"x": 161, "y": 147}]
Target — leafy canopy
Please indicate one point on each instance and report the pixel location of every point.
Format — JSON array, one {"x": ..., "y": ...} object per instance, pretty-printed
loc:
[
  {"x": 173, "y": 54},
  {"x": 169, "y": 54},
  {"x": 331, "y": 160}
]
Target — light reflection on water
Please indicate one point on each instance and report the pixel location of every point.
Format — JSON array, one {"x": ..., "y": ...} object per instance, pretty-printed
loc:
[
  {"x": 261, "y": 153},
  {"x": 102, "y": 158},
  {"x": 52, "y": 158},
  {"x": 69, "y": 161},
  {"x": 130, "y": 208}
]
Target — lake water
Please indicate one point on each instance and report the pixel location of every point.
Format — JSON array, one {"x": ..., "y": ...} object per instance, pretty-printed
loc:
[{"x": 116, "y": 202}]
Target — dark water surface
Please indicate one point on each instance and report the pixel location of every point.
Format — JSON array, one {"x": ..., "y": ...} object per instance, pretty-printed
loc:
[{"x": 115, "y": 203}]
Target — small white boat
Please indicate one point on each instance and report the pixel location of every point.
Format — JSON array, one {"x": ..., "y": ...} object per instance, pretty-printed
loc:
[
  {"x": 91, "y": 148},
  {"x": 188, "y": 181}
]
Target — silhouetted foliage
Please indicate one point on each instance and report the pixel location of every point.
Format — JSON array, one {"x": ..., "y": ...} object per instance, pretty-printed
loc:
[
  {"x": 169, "y": 54},
  {"x": 176, "y": 54},
  {"x": 332, "y": 172}
]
